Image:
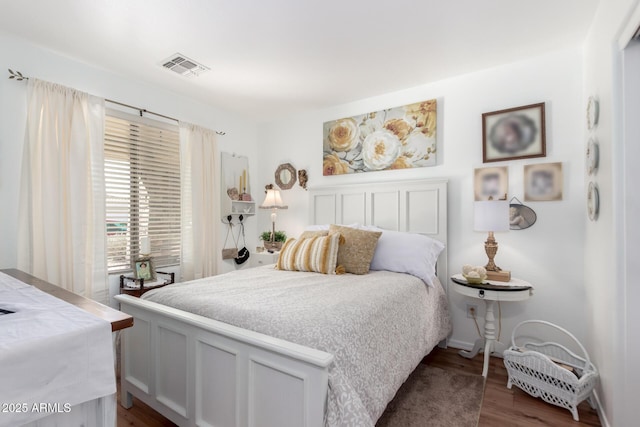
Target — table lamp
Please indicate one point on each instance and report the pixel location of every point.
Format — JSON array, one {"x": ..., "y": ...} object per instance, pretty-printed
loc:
[
  {"x": 273, "y": 201},
  {"x": 491, "y": 216}
]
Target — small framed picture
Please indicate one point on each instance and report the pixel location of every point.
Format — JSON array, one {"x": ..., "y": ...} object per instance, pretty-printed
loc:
[
  {"x": 543, "y": 182},
  {"x": 515, "y": 133},
  {"x": 491, "y": 183},
  {"x": 521, "y": 216},
  {"x": 143, "y": 269}
]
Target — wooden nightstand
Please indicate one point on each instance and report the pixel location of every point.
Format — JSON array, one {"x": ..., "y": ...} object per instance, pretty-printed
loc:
[
  {"x": 263, "y": 258},
  {"x": 490, "y": 292},
  {"x": 139, "y": 286}
]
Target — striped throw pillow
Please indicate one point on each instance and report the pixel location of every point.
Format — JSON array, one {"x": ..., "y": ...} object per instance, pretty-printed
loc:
[{"x": 317, "y": 254}]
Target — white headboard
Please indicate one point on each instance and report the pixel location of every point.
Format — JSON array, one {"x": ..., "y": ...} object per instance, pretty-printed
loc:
[{"x": 413, "y": 206}]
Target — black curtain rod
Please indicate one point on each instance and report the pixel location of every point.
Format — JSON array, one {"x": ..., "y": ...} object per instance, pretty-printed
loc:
[{"x": 17, "y": 75}]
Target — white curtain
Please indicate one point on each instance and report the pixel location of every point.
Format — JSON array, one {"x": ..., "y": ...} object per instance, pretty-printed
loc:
[
  {"x": 200, "y": 191},
  {"x": 62, "y": 236}
]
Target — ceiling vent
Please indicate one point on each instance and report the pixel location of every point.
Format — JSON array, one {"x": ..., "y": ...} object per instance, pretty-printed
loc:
[{"x": 179, "y": 63}]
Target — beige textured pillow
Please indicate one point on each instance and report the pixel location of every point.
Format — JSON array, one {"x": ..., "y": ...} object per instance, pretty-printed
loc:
[
  {"x": 317, "y": 254},
  {"x": 356, "y": 253}
]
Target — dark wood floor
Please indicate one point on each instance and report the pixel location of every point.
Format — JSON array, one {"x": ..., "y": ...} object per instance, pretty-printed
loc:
[{"x": 500, "y": 407}]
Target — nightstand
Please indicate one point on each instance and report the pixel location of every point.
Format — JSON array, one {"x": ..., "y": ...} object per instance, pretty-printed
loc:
[
  {"x": 263, "y": 258},
  {"x": 139, "y": 287},
  {"x": 490, "y": 291}
]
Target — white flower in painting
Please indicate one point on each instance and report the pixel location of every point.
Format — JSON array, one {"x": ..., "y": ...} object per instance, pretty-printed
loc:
[
  {"x": 371, "y": 123},
  {"x": 418, "y": 148},
  {"x": 344, "y": 134},
  {"x": 380, "y": 149}
]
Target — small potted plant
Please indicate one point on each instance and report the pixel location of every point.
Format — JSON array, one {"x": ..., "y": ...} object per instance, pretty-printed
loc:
[{"x": 279, "y": 238}]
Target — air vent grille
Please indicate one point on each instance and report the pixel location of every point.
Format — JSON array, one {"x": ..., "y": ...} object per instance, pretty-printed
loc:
[{"x": 180, "y": 64}]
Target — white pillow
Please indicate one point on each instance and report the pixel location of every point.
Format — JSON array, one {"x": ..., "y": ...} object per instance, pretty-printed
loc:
[{"x": 411, "y": 253}]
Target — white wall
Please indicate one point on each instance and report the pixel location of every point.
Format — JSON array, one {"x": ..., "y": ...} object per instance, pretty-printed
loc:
[
  {"x": 607, "y": 301},
  {"x": 47, "y": 65},
  {"x": 549, "y": 254}
]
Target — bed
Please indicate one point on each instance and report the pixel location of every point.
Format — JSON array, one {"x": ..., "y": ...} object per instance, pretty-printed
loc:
[{"x": 209, "y": 353}]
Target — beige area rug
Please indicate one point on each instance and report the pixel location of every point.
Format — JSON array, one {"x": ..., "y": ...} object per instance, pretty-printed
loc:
[{"x": 435, "y": 397}]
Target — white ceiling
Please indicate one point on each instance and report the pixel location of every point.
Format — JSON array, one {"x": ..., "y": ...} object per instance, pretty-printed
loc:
[{"x": 269, "y": 58}]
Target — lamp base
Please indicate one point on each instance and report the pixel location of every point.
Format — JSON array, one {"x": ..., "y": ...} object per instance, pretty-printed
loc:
[{"x": 500, "y": 276}]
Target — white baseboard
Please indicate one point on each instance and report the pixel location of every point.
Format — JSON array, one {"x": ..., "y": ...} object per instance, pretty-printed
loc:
[
  {"x": 462, "y": 345},
  {"x": 603, "y": 417}
]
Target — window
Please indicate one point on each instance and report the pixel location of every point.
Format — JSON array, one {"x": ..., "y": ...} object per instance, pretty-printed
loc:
[{"x": 142, "y": 176}]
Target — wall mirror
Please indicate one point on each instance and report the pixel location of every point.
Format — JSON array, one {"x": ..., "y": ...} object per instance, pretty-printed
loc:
[
  {"x": 235, "y": 196},
  {"x": 285, "y": 176}
]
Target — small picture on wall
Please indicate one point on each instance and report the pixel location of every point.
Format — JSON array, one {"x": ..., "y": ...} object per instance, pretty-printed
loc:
[
  {"x": 491, "y": 183},
  {"x": 515, "y": 133},
  {"x": 543, "y": 182}
]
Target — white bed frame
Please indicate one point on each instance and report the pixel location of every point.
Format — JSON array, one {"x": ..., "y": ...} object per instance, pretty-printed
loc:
[{"x": 200, "y": 372}]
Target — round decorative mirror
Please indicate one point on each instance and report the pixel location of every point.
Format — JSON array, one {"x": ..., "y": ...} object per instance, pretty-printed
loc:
[{"x": 285, "y": 176}]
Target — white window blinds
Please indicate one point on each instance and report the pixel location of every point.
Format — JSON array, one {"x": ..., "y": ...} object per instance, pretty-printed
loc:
[{"x": 142, "y": 175}]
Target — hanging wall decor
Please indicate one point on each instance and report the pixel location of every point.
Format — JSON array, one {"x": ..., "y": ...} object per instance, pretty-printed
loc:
[
  {"x": 285, "y": 176},
  {"x": 593, "y": 112},
  {"x": 593, "y": 156},
  {"x": 520, "y": 216},
  {"x": 303, "y": 178},
  {"x": 543, "y": 182},
  {"x": 491, "y": 183},
  {"x": 395, "y": 138},
  {"x": 593, "y": 201},
  {"x": 235, "y": 186},
  {"x": 514, "y": 133}
]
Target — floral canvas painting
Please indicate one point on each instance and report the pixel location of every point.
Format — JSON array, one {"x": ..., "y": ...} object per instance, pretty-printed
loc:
[{"x": 395, "y": 138}]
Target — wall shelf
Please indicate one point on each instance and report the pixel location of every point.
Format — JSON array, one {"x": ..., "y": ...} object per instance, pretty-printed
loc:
[{"x": 241, "y": 207}]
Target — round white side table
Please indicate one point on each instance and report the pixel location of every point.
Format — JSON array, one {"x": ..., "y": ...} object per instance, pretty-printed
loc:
[{"x": 490, "y": 291}]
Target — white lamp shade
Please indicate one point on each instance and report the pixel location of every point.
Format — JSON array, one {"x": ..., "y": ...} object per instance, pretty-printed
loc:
[
  {"x": 145, "y": 245},
  {"x": 273, "y": 201},
  {"x": 491, "y": 215}
]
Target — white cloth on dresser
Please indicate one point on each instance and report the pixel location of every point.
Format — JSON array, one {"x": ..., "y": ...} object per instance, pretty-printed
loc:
[{"x": 53, "y": 355}]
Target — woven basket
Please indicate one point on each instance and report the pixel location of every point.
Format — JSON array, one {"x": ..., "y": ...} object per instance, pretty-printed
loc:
[{"x": 551, "y": 371}]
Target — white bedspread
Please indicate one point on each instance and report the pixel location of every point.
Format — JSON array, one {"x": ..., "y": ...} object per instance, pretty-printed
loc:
[
  {"x": 53, "y": 355},
  {"x": 378, "y": 326}
]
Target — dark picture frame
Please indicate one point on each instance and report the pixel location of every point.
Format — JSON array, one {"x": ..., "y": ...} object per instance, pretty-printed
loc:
[
  {"x": 514, "y": 133},
  {"x": 143, "y": 269}
]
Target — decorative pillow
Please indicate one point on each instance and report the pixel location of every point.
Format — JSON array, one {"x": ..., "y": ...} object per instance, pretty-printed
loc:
[
  {"x": 318, "y": 254},
  {"x": 356, "y": 252},
  {"x": 309, "y": 233},
  {"x": 410, "y": 253}
]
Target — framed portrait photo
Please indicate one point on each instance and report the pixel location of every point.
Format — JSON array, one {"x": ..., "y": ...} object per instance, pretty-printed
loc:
[
  {"x": 491, "y": 183},
  {"x": 543, "y": 182},
  {"x": 143, "y": 269},
  {"x": 515, "y": 133}
]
